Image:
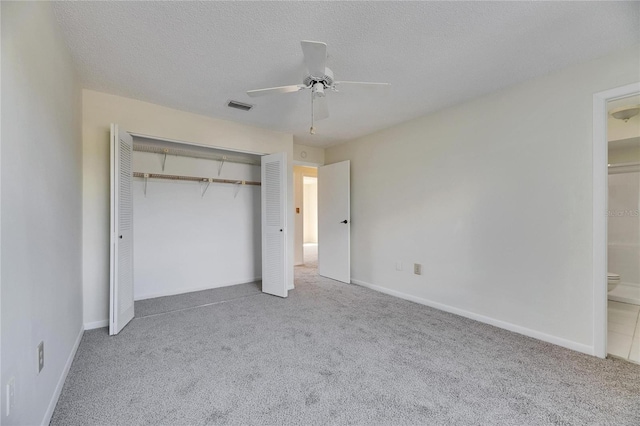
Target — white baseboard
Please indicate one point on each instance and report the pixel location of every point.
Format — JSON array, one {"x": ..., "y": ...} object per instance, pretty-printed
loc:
[
  {"x": 191, "y": 289},
  {"x": 56, "y": 393},
  {"x": 569, "y": 344},
  {"x": 96, "y": 324}
]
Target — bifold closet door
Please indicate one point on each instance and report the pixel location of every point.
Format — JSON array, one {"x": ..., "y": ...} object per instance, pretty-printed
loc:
[
  {"x": 274, "y": 224},
  {"x": 121, "y": 276},
  {"x": 334, "y": 221}
]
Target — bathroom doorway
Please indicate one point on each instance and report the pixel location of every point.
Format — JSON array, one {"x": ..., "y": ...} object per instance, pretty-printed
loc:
[
  {"x": 623, "y": 228},
  {"x": 600, "y": 172}
]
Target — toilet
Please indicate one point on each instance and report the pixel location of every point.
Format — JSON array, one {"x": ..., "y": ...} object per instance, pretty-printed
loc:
[{"x": 612, "y": 280}]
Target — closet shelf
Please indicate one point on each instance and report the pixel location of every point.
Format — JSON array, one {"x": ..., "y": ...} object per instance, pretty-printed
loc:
[
  {"x": 193, "y": 178},
  {"x": 195, "y": 153}
]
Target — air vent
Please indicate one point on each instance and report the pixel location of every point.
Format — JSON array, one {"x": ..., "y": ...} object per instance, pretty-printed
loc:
[{"x": 239, "y": 105}]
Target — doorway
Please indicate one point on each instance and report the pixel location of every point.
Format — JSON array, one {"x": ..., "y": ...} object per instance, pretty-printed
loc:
[
  {"x": 328, "y": 219},
  {"x": 306, "y": 216},
  {"x": 623, "y": 228},
  {"x": 310, "y": 221},
  {"x": 605, "y": 320}
]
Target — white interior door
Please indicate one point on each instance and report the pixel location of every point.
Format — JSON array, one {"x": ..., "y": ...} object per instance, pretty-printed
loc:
[
  {"x": 274, "y": 224},
  {"x": 334, "y": 222},
  {"x": 121, "y": 280}
]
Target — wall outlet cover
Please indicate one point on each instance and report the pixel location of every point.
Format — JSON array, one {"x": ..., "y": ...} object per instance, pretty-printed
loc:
[{"x": 417, "y": 269}]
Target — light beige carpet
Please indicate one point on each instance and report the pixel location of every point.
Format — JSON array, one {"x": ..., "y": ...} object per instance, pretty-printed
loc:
[{"x": 335, "y": 353}]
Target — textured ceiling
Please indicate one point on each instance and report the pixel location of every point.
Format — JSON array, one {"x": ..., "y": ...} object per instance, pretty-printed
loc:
[{"x": 195, "y": 56}]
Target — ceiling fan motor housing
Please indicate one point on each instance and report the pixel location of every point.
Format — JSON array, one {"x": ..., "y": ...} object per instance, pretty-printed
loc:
[{"x": 326, "y": 79}]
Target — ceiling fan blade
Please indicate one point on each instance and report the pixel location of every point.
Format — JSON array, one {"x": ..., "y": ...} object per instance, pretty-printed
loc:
[
  {"x": 320, "y": 108},
  {"x": 361, "y": 87},
  {"x": 315, "y": 57},
  {"x": 275, "y": 90}
]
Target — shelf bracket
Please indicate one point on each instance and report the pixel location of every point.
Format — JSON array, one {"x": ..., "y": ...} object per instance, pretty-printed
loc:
[
  {"x": 164, "y": 159},
  {"x": 146, "y": 179},
  {"x": 238, "y": 185},
  {"x": 208, "y": 182},
  {"x": 224, "y": 158}
]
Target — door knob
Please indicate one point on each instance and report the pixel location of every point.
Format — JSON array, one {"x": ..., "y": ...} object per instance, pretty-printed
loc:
[{"x": 345, "y": 221}]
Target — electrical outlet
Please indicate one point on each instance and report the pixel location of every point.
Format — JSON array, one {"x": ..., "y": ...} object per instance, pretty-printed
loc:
[
  {"x": 40, "y": 356},
  {"x": 398, "y": 266},
  {"x": 417, "y": 269},
  {"x": 11, "y": 395}
]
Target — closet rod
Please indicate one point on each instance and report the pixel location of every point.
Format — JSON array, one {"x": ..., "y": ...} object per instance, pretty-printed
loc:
[{"x": 193, "y": 178}]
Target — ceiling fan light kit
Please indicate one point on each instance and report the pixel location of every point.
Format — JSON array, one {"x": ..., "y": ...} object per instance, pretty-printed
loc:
[
  {"x": 318, "y": 90},
  {"x": 319, "y": 79},
  {"x": 626, "y": 112}
]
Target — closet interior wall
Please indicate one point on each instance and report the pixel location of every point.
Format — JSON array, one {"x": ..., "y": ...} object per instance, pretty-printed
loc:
[{"x": 185, "y": 241}]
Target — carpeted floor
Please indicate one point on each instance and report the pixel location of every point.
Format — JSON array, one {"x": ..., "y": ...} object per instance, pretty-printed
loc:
[
  {"x": 310, "y": 253},
  {"x": 335, "y": 353}
]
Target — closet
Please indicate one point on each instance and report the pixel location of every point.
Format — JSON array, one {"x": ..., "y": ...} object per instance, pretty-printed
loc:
[
  {"x": 196, "y": 218},
  {"x": 187, "y": 218}
]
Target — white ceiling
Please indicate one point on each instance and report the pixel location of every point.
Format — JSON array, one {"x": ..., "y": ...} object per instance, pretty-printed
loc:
[
  {"x": 619, "y": 132},
  {"x": 195, "y": 56},
  {"x": 623, "y": 102}
]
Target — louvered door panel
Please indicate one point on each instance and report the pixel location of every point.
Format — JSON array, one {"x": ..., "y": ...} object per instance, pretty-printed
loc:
[
  {"x": 125, "y": 225},
  {"x": 274, "y": 225},
  {"x": 121, "y": 281}
]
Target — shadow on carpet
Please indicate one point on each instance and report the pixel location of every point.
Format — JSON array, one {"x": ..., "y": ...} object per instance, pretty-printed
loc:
[{"x": 161, "y": 305}]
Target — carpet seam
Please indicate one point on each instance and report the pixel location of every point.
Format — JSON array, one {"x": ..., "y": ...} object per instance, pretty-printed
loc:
[{"x": 198, "y": 306}]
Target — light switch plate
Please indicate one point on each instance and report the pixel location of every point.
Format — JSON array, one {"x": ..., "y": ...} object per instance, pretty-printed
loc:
[{"x": 398, "y": 266}]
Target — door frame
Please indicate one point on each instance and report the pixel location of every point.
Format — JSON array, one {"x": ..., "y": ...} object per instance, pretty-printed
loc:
[{"x": 600, "y": 204}]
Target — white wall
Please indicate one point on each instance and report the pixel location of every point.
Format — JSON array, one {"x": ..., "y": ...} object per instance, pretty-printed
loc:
[
  {"x": 101, "y": 109},
  {"x": 624, "y": 227},
  {"x": 298, "y": 201},
  {"x": 308, "y": 155},
  {"x": 185, "y": 242},
  {"x": 41, "y": 210},
  {"x": 494, "y": 198}
]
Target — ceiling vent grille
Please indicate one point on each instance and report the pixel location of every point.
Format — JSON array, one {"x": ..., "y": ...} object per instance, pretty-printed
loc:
[{"x": 239, "y": 105}]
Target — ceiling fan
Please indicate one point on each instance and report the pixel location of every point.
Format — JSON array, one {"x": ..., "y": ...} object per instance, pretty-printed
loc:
[{"x": 318, "y": 80}]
